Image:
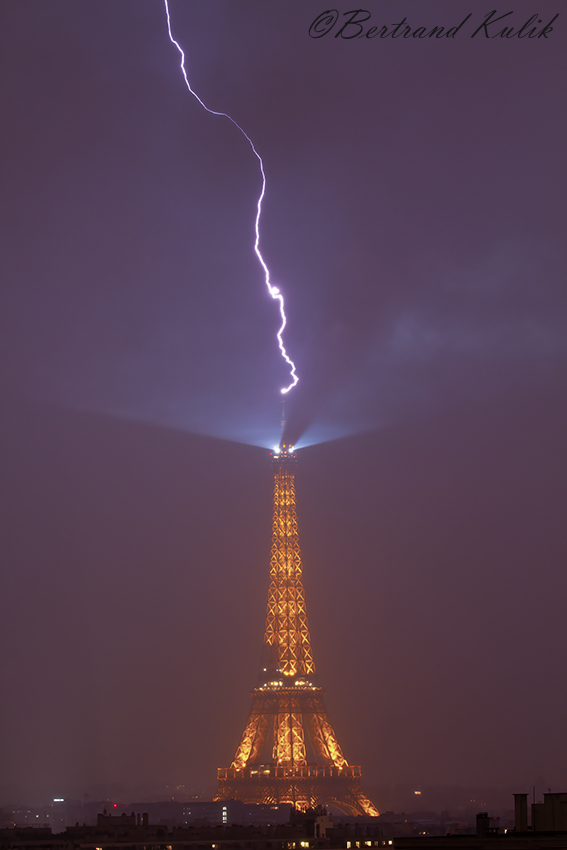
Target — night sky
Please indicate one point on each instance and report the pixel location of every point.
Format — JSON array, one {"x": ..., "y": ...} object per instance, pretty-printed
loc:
[{"x": 415, "y": 220}]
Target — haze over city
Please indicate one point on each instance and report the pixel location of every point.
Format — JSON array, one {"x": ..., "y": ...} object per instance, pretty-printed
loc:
[{"x": 414, "y": 218}]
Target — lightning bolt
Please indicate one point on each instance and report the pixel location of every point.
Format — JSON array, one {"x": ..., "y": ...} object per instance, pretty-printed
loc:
[{"x": 273, "y": 290}]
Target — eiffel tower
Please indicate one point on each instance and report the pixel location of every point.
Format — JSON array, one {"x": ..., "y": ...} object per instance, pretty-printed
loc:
[{"x": 289, "y": 753}]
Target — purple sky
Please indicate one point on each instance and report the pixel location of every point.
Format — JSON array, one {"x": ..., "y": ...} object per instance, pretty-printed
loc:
[{"x": 415, "y": 219}]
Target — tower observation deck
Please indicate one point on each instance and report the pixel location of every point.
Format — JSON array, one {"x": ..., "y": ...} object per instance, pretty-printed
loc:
[{"x": 289, "y": 753}]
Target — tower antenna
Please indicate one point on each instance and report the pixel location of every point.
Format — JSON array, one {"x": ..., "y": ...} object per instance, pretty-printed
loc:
[{"x": 283, "y": 422}]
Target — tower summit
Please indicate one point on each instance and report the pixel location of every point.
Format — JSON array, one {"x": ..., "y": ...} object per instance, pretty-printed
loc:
[{"x": 289, "y": 753}]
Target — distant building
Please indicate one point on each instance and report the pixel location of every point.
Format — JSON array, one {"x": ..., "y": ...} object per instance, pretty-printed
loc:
[
  {"x": 547, "y": 831},
  {"x": 229, "y": 812},
  {"x": 551, "y": 815}
]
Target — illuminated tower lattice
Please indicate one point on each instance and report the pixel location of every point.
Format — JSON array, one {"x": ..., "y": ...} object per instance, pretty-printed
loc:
[{"x": 289, "y": 753}]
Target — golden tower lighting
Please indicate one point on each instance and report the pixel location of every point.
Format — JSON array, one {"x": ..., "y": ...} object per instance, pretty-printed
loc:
[{"x": 289, "y": 753}]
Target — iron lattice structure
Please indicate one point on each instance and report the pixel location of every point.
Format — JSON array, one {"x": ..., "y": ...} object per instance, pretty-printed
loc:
[{"x": 289, "y": 753}]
